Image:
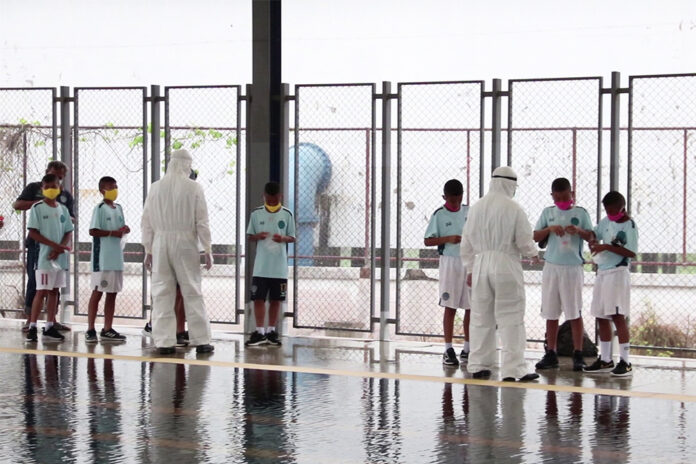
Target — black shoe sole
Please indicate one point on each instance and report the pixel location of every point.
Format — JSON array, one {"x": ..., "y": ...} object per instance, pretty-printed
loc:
[
  {"x": 90, "y": 342},
  {"x": 529, "y": 377},
  {"x": 112, "y": 340},
  {"x": 205, "y": 350},
  {"x": 509, "y": 379},
  {"x": 261, "y": 343},
  {"x": 484, "y": 374},
  {"x": 168, "y": 350}
]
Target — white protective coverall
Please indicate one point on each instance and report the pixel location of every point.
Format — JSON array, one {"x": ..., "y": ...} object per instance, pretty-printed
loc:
[
  {"x": 175, "y": 220},
  {"x": 496, "y": 233}
]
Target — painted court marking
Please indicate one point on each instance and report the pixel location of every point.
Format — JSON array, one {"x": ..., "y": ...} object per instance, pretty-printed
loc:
[{"x": 377, "y": 375}]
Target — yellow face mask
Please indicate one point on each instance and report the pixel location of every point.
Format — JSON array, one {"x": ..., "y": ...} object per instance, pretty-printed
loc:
[
  {"x": 274, "y": 208},
  {"x": 51, "y": 194},
  {"x": 111, "y": 195}
]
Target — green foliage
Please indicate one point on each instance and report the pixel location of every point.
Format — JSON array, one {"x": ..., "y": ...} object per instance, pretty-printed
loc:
[{"x": 650, "y": 330}]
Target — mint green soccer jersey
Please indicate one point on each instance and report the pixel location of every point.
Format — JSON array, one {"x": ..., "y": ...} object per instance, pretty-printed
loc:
[
  {"x": 624, "y": 234},
  {"x": 271, "y": 258},
  {"x": 443, "y": 223},
  {"x": 52, "y": 223},
  {"x": 565, "y": 250},
  {"x": 106, "y": 251}
]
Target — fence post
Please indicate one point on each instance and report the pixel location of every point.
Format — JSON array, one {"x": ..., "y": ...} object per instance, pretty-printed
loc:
[
  {"x": 386, "y": 210},
  {"x": 615, "y": 134},
  {"x": 66, "y": 156},
  {"x": 155, "y": 121},
  {"x": 496, "y": 95}
]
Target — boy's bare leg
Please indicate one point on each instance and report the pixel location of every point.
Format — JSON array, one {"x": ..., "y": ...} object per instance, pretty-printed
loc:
[
  {"x": 604, "y": 330},
  {"x": 467, "y": 320},
  {"x": 93, "y": 308},
  {"x": 259, "y": 312},
  {"x": 273, "y": 310},
  {"x": 552, "y": 334},
  {"x": 109, "y": 309},
  {"x": 621, "y": 328},
  {"x": 179, "y": 312},
  {"x": 578, "y": 332},
  {"x": 448, "y": 323},
  {"x": 51, "y": 305},
  {"x": 36, "y": 305}
]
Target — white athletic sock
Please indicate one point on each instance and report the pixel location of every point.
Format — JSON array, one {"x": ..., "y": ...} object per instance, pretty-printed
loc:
[
  {"x": 32, "y": 324},
  {"x": 624, "y": 349},
  {"x": 448, "y": 346},
  {"x": 261, "y": 330},
  {"x": 605, "y": 350},
  {"x": 466, "y": 347},
  {"x": 271, "y": 328},
  {"x": 49, "y": 325}
]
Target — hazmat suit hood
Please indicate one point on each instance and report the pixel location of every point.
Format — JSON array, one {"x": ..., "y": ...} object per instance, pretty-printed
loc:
[
  {"x": 179, "y": 164},
  {"x": 504, "y": 180}
]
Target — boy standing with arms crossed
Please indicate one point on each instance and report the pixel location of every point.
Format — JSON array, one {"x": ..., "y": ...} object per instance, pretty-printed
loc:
[
  {"x": 444, "y": 231},
  {"x": 107, "y": 228},
  {"x": 564, "y": 227},
  {"x": 612, "y": 290},
  {"x": 272, "y": 227},
  {"x": 49, "y": 225}
]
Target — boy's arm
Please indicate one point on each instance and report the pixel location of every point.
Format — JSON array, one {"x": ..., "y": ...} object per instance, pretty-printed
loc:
[
  {"x": 35, "y": 235},
  {"x": 436, "y": 241},
  {"x": 27, "y": 198}
]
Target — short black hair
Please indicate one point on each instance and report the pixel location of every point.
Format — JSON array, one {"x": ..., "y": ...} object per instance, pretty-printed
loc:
[
  {"x": 453, "y": 187},
  {"x": 49, "y": 179},
  {"x": 106, "y": 180},
  {"x": 613, "y": 198},
  {"x": 271, "y": 188},
  {"x": 560, "y": 184},
  {"x": 57, "y": 166}
]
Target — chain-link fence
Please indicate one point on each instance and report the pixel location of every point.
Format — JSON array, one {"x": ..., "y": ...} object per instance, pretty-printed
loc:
[
  {"x": 333, "y": 195},
  {"x": 206, "y": 120},
  {"x": 110, "y": 131},
  {"x": 439, "y": 137},
  {"x": 28, "y": 141},
  {"x": 554, "y": 130},
  {"x": 661, "y": 169}
]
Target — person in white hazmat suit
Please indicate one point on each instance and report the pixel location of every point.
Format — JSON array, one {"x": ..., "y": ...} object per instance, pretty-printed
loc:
[
  {"x": 496, "y": 233},
  {"x": 175, "y": 220}
]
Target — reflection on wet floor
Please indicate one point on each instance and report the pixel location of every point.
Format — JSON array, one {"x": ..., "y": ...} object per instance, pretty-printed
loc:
[{"x": 67, "y": 409}]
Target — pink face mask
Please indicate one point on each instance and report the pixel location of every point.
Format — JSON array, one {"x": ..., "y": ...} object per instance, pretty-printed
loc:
[
  {"x": 449, "y": 208},
  {"x": 616, "y": 217},
  {"x": 564, "y": 205}
]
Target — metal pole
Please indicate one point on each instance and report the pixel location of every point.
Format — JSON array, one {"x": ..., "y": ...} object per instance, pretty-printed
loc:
[
  {"x": 238, "y": 208},
  {"x": 386, "y": 209},
  {"x": 167, "y": 131},
  {"x": 614, "y": 137},
  {"x": 495, "y": 125},
  {"x": 66, "y": 155},
  {"x": 144, "y": 305},
  {"x": 54, "y": 124},
  {"x": 155, "y": 145},
  {"x": 482, "y": 139},
  {"x": 399, "y": 186}
]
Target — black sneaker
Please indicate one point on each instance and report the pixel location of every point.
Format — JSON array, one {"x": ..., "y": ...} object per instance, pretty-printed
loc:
[
  {"x": 599, "y": 366},
  {"x": 166, "y": 350},
  {"x": 207, "y": 348},
  {"x": 61, "y": 327},
  {"x": 464, "y": 356},
  {"x": 51, "y": 334},
  {"x": 549, "y": 361},
  {"x": 272, "y": 338},
  {"x": 147, "y": 330},
  {"x": 449, "y": 357},
  {"x": 32, "y": 335},
  {"x": 622, "y": 369},
  {"x": 578, "y": 361},
  {"x": 111, "y": 336},
  {"x": 256, "y": 339},
  {"x": 182, "y": 338},
  {"x": 482, "y": 374},
  {"x": 91, "y": 336}
]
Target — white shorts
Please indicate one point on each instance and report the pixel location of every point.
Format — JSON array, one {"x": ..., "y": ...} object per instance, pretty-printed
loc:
[
  {"x": 612, "y": 293},
  {"x": 107, "y": 281},
  {"x": 454, "y": 292},
  {"x": 561, "y": 291},
  {"x": 50, "y": 279}
]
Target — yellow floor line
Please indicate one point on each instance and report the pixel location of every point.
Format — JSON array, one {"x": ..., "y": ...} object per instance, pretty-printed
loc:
[{"x": 377, "y": 375}]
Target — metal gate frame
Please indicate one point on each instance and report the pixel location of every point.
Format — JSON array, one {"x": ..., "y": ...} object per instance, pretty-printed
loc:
[
  {"x": 399, "y": 170},
  {"x": 76, "y": 161},
  {"x": 54, "y": 139},
  {"x": 237, "y": 308},
  {"x": 372, "y": 205}
]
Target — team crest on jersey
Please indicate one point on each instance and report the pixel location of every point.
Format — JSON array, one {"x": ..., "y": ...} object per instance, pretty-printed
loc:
[
  {"x": 575, "y": 221},
  {"x": 62, "y": 218},
  {"x": 445, "y": 296},
  {"x": 281, "y": 224},
  {"x": 104, "y": 283}
]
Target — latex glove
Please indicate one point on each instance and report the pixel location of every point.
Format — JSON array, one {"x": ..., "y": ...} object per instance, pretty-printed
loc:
[
  {"x": 208, "y": 261},
  {"x": 148, "y": 262}
]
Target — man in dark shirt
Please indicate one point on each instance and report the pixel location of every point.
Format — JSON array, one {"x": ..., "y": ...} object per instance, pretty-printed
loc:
[{"x": 30, "y": 195}]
